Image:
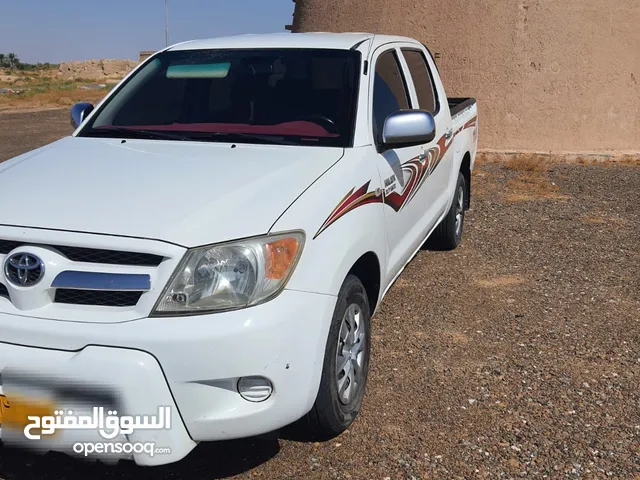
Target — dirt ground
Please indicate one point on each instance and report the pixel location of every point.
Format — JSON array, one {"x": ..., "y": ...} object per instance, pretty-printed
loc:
[
  {"x": 517, "y": 355},
  {"x": 49, "y": 87}
]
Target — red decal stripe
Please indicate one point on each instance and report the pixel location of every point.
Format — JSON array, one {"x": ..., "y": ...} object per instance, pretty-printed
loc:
[{"x": 418, "y": 169}]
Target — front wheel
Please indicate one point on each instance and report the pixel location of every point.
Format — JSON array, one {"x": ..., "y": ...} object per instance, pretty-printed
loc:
[
  {"x": 346, "y": 365},
  {"x": 448, "y": 234}
]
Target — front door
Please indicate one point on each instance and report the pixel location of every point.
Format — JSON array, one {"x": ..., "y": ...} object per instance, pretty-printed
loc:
[{"x": 410, "y": 195}]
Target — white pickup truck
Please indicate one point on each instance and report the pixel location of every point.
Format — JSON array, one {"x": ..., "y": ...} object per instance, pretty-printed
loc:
[{"x": 217, "y": 233}]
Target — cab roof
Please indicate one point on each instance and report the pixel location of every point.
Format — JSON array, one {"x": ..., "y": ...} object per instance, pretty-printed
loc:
[{"x": 335, "y": 41}]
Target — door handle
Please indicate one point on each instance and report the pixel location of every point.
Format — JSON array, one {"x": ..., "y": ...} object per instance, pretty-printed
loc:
[{"x": 448, "y": 134}]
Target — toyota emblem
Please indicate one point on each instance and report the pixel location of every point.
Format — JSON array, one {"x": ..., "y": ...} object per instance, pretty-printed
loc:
[{"x": 24, "y": 269}]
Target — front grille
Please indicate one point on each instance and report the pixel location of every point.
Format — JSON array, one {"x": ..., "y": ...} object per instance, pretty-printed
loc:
[
  {"x": 93, "y": 255},
  {"x": 3, "y": 291},
  {"x": 97, "y": 297}
]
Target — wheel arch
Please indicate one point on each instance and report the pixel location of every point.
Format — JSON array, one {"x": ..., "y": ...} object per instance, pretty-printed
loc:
[
  {"x": 465, "y": 169},
  {"x": 367, "y": 269}
]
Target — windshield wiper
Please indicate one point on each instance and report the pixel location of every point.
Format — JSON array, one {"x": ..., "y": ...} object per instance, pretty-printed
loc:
[
  {"x": 273, "y": 139},
  {"x": 137, "y": 133},
  {"x": 195, "y": 136}
]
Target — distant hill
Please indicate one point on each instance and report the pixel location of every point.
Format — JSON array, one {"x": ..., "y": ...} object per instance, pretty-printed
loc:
[{"x": 95, "y": 69}]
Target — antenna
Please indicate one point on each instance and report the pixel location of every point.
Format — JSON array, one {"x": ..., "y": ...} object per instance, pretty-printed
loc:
[{"x": 166, "y": 23}]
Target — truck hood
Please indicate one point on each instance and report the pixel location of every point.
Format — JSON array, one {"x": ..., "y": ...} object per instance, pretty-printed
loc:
[{"x": 187, "y": 193}]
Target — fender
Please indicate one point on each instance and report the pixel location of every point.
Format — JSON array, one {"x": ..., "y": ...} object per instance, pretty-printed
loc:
[
  {"x": 465, "y": 135},
  {"x": 335, "y": 241}
]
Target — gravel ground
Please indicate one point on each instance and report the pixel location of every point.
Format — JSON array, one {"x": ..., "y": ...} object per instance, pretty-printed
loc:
[{"x": 516, "y": 356}]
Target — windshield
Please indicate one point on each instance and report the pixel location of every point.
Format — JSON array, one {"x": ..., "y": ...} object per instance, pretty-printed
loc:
[{"x": 288, "y": 96}]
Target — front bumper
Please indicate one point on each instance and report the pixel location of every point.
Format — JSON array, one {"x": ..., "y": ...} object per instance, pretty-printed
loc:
[
  {"x": 125, "y": 380},
  {"x": 192, "y": 363}
]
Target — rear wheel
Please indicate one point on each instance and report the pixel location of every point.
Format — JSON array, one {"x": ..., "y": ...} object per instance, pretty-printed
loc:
[
  {"x": 346, "y": 365},
  {"x": 448, "y": 234}
]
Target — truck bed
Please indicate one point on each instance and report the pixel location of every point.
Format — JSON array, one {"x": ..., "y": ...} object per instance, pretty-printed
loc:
[{"x": 457, "y": 105}]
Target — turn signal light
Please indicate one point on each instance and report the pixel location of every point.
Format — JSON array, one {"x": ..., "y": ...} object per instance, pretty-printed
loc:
[{"x": 279, "y": 257}]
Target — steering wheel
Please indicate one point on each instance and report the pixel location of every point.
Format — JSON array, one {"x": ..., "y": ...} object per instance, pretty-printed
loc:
[{"x": 325, "y": 122}]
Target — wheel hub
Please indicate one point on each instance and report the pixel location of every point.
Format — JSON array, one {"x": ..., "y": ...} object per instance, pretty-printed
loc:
[
  {"x": 459, "y": 210},
  {"x": 350, "y": 354}
]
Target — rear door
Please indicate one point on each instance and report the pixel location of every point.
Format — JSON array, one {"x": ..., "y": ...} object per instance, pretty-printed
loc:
[{"x": 410, "y": 196}]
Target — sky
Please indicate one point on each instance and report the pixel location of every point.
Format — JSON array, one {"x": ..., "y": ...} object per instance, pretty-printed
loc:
[{"x": 60, "y": 30}]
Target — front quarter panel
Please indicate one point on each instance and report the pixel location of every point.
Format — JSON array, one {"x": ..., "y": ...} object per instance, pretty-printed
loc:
[{"x": 343, "y": 219}]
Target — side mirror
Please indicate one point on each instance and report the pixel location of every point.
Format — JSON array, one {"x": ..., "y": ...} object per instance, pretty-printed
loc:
[
  {"x": 79, "y": 112},
  {"x": 407, "y": 128}
]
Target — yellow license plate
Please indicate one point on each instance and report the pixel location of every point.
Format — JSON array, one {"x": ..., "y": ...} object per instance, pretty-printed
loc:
[
  {"x": 14, "y": 414},
  {"x": 4, "y": 404}
]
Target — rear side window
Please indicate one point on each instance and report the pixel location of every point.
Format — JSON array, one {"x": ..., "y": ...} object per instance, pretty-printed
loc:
[
  {"x": 422, "y": 80},
  {"x": 389, "y": 91}
]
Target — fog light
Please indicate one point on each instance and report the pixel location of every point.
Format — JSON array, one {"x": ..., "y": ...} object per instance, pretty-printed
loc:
[{"x": 255, "y": 389}]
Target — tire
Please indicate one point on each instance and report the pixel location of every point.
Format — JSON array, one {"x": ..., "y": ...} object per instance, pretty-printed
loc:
[
  {"x": 335, "y": 410},
  {"x": 448, "y": 234}
]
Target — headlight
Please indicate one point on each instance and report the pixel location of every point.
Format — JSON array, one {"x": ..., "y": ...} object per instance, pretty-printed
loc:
[{"x": 231, "y": 275}]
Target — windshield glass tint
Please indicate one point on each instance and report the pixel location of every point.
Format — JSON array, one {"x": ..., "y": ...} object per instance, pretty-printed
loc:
[{"x": 299, "y": 97}]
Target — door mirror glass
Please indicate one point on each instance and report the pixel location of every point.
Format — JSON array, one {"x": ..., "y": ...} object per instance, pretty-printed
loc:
[
  {"x": 406, "y": 128},
  {"x": 79, "y": 112}
]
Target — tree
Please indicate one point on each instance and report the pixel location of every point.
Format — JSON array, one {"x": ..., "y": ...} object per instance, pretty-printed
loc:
[
  {"x": 14, "y": 61},
  {"x": 2, "y": 59}
]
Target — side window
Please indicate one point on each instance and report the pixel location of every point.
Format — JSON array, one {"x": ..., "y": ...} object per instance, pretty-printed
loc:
[
  {"x": 389, "y": 91},
  {"x": 422, "y": 80}
]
